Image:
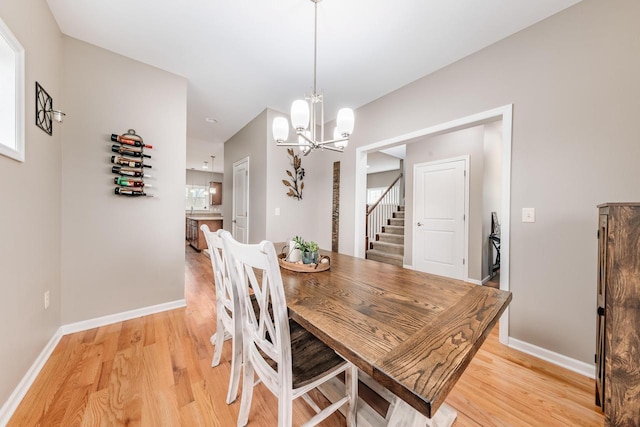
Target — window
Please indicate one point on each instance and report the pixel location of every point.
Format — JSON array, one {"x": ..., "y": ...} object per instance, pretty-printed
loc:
[
  {"x": 196, "y": 198},
  {"x": 12, "y": 98},
  {"x": 373, "y": 194}
]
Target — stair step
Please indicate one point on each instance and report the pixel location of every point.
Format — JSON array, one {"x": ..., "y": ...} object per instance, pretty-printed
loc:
[
  {"x": 399, "y": 214},
  {"x": 391, "y": 238},
  {"x": 388, "y": 248},
  {"x": 379, "y": 256},
  {"x": 393, "y": 229},
  {"x": 401, "y": 208},
  {"x": 396, "y": 221}
]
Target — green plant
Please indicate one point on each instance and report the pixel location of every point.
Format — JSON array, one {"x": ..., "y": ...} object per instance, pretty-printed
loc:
[
  {"x": 300, "y": 243},
  {"x": 312, "y": 247}
]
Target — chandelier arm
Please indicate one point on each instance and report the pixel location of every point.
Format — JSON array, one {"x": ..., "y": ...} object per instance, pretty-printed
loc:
[
  {"x": 328, "y": 147},
  {"x": 331, "y": 141},
  {"x": 311, "y": 143},
  {"x": 292, "y": 144}
]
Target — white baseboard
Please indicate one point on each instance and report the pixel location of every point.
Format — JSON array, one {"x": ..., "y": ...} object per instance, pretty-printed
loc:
[
  {"x": 120, "y": 317},
  {"x": 586, "y": 369},
  {"x": 486, "y": 279},
  {"x": 20, "y": 391},
  {"x": 408, "y": 266},
  {"x": 9, "y": 407},
  {"x": 474, "y": 281}
]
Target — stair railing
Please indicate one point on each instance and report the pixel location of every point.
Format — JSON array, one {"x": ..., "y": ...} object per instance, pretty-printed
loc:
[{"x": 377, "y": 214}]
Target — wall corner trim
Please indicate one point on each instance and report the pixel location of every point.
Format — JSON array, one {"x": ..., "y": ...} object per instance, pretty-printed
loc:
[
  {"x": 582, "y": 368},
  {"x": 9, "y": 407}
]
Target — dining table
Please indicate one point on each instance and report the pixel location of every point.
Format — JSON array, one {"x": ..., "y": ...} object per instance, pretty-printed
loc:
[{"x": 411, "y": 332}]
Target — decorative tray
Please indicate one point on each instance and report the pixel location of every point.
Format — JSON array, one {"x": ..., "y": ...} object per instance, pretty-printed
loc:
[{"x": 305, "y": 268}]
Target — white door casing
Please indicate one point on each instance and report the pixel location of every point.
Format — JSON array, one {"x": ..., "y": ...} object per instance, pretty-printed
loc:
[
  {"x": 504, "y": 113},
  {"x": 240, "y": 203},
  {"x": 440, "y": 201}
]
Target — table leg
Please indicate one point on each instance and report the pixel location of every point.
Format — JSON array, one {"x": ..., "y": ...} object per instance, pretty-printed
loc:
[{"x": 401, "y": 414}]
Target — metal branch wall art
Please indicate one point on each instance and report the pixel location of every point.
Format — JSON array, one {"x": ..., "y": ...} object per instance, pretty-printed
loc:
[{"x": 295, "y": 185}]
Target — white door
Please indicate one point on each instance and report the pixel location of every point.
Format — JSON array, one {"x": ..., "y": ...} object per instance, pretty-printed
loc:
[
  {"x": 439, "y": 217},
  {"x": 240, "y": 211}
]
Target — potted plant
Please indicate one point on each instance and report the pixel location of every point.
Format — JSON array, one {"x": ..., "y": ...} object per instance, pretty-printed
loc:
[
  {"x": 295, "y": 249},
  {"x": 310, "y": 253}
]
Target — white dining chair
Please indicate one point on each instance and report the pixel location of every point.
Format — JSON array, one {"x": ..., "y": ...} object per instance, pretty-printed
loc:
[
  {"x": 228, "y": 325},
  {"x": 287, "y": 359}
]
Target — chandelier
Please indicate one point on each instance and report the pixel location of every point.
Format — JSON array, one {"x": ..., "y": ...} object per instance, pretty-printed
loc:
[{"x": 308, "y": 115}]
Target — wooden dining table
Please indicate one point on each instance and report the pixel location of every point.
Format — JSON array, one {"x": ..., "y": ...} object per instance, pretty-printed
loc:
[{"x": 414, "y": 333}]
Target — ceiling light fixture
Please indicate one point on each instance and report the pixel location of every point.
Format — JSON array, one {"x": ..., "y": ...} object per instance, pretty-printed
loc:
[
  {"x": 210, "y": 120},
  {"x": 304, "y": 115},
  {"x": 205, "y": 165}
]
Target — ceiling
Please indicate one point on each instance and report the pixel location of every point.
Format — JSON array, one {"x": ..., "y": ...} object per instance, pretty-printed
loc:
[{"x": 242, "y": 56}]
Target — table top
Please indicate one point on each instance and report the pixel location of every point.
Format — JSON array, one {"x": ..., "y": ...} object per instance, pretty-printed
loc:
[{"x": 413, "y": 332}]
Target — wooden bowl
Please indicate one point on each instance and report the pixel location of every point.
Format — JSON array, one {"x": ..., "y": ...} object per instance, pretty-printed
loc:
[{"x": 304, "y": 268}]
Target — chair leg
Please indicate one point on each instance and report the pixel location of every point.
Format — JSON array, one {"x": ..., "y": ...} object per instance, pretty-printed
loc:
[
  {"x": 247, "y": 393},
  {"x": 219, "y": 340},
  {"x": 351, "y": 385},
  {"x": 285, "y": 407},
  {"x": 236, "y": 364}
]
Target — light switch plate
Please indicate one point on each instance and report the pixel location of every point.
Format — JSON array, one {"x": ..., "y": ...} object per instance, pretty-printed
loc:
[
  {"x": 528, "y": 215},
  {"x": 277, "y": 211}
]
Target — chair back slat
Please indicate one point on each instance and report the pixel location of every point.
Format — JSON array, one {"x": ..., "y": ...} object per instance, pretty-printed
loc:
[
  {"x": 254, "y": 269},
  {"x": 225, "y": 292}
]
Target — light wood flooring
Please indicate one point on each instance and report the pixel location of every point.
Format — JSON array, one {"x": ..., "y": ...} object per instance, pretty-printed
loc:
[{"x": 155, "y": 371}]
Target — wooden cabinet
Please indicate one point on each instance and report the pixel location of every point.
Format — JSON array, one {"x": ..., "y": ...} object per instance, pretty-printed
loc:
[
  {"x": 618, "y": 313},
  {"x": 216, "y": 196},
  {"x": 194, "y": 234}
]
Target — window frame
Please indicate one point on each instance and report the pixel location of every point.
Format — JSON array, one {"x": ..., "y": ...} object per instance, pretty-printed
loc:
[{"x": 17, "y": 152}]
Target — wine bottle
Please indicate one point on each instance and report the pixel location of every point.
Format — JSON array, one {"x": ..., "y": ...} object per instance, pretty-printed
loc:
[
  {"x": 129, "y": 172},
  {"x": 129, "y": 141},
  {"x": 128, "y": 152},
  {"x": 132, "y": 163},
  {"x": 127, "y": 182},
  {"x": 129, "y": 192}
]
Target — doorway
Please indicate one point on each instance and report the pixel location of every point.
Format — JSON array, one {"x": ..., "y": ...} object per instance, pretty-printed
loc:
[
  {"x": 240, "y": 205},
  {"x": 504, "y": 113}
]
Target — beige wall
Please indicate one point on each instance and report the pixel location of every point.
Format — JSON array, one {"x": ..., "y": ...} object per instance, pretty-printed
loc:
[
  {"x": 573, "y": 81},
  {"x": 30, "y": 204},
  {"x": 491, "y": 186},
  {"x": 307, "y": 217},
  {"x": 467, "y": 142},
  {"x": 382, "y": 179},
  {"x": 120, "y": 253},
  {"x": 268, "y": 164},
  {"x": 250, "y": 141}
]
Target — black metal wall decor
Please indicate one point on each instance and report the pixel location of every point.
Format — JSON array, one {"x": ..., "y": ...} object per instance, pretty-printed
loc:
[
  {"x": 131, "y": 169},
  {"x": 44, "y": 105}
]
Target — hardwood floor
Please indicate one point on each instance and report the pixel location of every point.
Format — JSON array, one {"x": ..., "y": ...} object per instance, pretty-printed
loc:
[{"x": 156, "y": 371}]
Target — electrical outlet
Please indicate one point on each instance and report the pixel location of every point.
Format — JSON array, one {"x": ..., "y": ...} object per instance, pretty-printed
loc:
[
  {"x": 46, "y": 300},
  {"x": 277, "y": 211}
]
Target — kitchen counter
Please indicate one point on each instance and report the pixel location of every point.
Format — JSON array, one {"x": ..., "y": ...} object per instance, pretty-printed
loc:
[
  {"x": 205, "y": 217},
  {"x": 194, "y": 235}
]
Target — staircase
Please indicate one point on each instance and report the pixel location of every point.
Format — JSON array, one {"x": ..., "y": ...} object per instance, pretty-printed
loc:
[{"x": 389, "y": 245}]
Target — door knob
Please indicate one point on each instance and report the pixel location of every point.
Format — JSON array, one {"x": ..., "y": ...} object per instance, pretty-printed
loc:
[
  {"x": 419, "y": 224},
  {"x": 234, "y": 221}
]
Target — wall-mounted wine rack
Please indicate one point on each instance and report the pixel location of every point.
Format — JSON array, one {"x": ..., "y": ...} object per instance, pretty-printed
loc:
[{"x": 129, "y": 164}]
